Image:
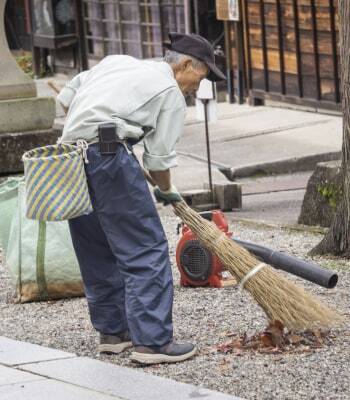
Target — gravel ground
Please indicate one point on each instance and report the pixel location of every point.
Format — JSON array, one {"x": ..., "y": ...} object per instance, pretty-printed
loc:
[{"x": 205, "y": 316}]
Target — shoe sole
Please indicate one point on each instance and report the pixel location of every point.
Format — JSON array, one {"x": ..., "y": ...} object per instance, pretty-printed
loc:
[
  {"x": 145, "y": 358},
  {"x": 114, "y": 348}
]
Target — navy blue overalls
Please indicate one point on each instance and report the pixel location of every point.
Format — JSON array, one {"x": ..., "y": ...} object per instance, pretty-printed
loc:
[{"x": 123, "y": 252}]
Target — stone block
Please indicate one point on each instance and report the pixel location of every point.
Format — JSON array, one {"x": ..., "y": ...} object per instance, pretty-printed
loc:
[
  {"x": 206, "y": 207},
  {"x": 322, "y": 195},
  {"x": 13, "y": 352},
  {"x": 196, "y": 197},
  {"x": 126, "y": 383},
  {"x": 228, "y": 195},
  {"x": 13, "y": 145},
  {"x": 35, "y": 113}
]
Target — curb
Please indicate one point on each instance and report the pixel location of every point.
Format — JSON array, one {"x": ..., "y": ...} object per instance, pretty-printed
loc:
[
  {"x": 316, "y": 230},
  {"x": 295, "y": 164}
]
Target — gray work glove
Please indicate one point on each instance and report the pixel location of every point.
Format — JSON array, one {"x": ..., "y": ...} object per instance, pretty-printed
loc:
[{"x": 167, "y": 197}]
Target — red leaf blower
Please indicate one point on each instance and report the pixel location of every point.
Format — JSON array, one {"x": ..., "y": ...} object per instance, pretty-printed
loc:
[{"x": 199, "y": 267}]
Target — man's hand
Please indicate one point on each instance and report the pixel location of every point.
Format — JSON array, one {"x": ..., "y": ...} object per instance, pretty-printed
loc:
[
  {"x": 162, "y": 179},
  {"x": 168, "y": 196},
  {"x": 164, "y": 191}
]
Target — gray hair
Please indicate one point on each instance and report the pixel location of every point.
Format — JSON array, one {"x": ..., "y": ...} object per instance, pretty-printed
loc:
[{"x": 173, "y": 57}]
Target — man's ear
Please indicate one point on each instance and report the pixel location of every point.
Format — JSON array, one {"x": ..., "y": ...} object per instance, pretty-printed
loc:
[{"x": 187, "y": 64}]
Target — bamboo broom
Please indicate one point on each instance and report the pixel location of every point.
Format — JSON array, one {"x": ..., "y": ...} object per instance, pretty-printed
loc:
[{"x": 280, "y": 298}]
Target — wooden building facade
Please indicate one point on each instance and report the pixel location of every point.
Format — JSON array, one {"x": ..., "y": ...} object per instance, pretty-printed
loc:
[
  {"x": 283, "y": 50},
  {"x": 136, "y": 28},
  {"x": 67, "y": 35},
  {"x": 75, "y": 34},
  {"x": 140, "y": 27},
  {"x": 289, "y": 51}
]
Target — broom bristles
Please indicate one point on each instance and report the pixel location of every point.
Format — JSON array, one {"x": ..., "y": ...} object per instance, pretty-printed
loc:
[{"x": 280, "y": 298}]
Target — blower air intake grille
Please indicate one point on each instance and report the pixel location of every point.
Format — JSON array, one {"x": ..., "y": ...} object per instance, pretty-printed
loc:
[{"x": 196, "y": 261}]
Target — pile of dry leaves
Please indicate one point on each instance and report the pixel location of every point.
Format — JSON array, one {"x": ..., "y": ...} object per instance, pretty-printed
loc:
[{"x": 275, "y": 339}]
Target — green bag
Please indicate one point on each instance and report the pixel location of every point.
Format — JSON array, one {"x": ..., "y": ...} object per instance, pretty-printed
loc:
[
  {"x": 8, "y": 205},
  {"x": 40, "y": 256}
]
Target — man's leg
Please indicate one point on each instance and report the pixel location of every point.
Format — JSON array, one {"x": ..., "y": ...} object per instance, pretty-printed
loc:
[
  {"x": 104, "y": 285},
  {"x": 129, "y": 219}
]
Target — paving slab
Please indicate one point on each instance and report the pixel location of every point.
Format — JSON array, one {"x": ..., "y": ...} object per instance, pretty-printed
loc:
[
  {"x": 245, "y": 121},
  {"x": 273, "y": 146},
  {"x": 126, "y": 383},
  {"x": 13, "y": 352},
  {"x": 224, "y": 111},
  {"x": 9, "y": 376},
  {"x": 49, "y": 389},
  {"x": 279, "y": 207},
  {"x": 275, "y": 183}
]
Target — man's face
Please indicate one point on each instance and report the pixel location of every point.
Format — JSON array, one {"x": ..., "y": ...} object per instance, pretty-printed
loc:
[{"x": 188, "y": 77}]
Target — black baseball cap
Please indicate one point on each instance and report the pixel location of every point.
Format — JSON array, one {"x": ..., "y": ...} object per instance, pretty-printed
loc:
[{"x": 198, "y": 47}]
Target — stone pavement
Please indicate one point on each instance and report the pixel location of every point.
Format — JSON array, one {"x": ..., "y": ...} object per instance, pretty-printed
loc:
[
  {"x": 32, "y": 372},
  {"x": 246, "y": 136}
]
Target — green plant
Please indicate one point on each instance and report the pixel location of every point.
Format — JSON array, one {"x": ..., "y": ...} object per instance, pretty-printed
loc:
[
  {"x": 331, "y": 193},
  {"x": 25, "y": 62}
]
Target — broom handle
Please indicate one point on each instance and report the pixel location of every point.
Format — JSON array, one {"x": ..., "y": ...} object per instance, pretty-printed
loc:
[
  {"x": 153, "y": 183},
  {"x": 54, "y": 86}
]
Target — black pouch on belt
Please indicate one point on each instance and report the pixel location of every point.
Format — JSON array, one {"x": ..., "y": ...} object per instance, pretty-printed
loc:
[{"x": 108, "y": 138}]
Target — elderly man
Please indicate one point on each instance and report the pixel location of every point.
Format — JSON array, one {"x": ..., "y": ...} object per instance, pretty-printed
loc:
[{"x": 121, "y": 247}]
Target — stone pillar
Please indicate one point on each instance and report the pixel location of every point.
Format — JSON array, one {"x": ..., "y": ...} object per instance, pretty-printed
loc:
[
  {"x": 14, "y": 83},
  {"x": 25, "y": 119}
]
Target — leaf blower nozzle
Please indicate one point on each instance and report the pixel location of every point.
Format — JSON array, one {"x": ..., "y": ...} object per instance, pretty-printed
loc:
[{"x": 304, "y": 269}]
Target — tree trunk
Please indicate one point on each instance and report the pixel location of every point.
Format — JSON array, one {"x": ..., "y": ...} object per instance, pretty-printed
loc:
[{"x": 337, "y": 239}]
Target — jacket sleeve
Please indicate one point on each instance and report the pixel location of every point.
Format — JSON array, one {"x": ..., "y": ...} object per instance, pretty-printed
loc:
[
  {"x": 67, "y": 94},
  {"x": 160, "y": 153}
]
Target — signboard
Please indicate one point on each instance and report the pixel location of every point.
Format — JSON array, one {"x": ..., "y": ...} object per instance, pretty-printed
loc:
[
  {"x": 205, "y": 90},
  {"x": 227, "y": 10},
  {"x": 206, "y": 93}
]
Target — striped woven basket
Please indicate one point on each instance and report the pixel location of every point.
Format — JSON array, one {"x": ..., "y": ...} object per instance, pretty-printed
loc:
[{"x": 56, "y": 187}]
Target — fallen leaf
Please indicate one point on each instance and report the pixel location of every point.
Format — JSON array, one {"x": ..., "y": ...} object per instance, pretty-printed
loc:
[
  {"x": 275, "y": 332},
  {"x": 225, "y": 347},
  {"x": 244, "y": 338},
  {"x": 266, "y": 339},
  {"x": 295, "y": 339},
  {"x": 275, "y": 339},
  {"x": 273, "y": 350},
  {"x": 318, "y": 336}
]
